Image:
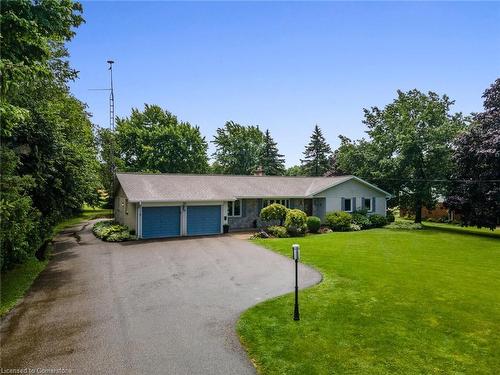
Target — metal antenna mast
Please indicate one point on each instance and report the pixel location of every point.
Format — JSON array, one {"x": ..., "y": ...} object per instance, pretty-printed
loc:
[{"x": 112, "y": 124}]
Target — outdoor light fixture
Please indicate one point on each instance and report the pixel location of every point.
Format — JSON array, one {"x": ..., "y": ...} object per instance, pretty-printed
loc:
[{"x": 296, "y": 256}]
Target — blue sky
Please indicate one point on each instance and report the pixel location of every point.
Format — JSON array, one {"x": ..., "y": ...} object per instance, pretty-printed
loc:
[{"x": 283, "y": 66}]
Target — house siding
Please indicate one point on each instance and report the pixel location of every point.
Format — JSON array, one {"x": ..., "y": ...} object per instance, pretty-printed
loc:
[
  {"x": 352, "y": 189},
  {"x": 249, "y": 213},
  {"x": 125, "y": 212}
]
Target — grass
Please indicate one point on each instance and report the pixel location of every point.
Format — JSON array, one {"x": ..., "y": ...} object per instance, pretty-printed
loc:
[
  {"x": 457, "y": 228},
  {"x": 17, "y": 281},
  {"x": 391, "y": 302}
]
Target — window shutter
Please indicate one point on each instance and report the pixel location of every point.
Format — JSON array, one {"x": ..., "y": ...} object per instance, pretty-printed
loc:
[
  {"x": 342, "y": 204},
  {"x": 362, "y": 203},
  {"x": 243, "y": 207},
  {"x": 373, "y": 204},
  {"x": 353, "y": 205}
]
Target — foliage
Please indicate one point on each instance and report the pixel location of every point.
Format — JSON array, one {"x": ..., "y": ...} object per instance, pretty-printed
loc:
[
  {"x": 296, "y": 170},
  {"x": 274, "y": 211},
  {"x": 111, "y": 231},
  {"x": 435, "y": 289},
  {"x": 338, "y": 220},
  {"x": 238, "y": 148},
  {"x": 409, "y": 150},
  {"x": 316, "y": 155},
  {"x": 406, "y": 225},
  {"x": 49, "y": 165},
  {"x": 361, "y": 219},
  {"x": 154, "y": 140},
  {"x": 271, "y": 161},
  {"x": 477, "y": 156},
  {"x": 277, "y": 231},
  {"x": 377, "y": 221},
  {"x": 390, "y": 216},
  {"x": 295, "y": 222},
  {"x": 313, "y": 224},
  {"x": 109, "y": 155},
  {"x": 355, "y": 227}
]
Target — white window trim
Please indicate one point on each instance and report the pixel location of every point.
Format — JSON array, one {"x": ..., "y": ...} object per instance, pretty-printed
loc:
[
  {"x": 343, "y": 208},
  {"x": 231, "y": 214},
  {"x": 266, "y": 202}
]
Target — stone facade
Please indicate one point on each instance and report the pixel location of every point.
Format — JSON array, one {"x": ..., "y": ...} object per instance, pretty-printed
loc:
[{"x": 249, "y": 215}]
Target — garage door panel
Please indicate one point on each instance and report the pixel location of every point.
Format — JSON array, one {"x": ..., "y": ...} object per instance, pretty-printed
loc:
[
  {"x": 203, "y": 220},
  {"x": 160, "y": 222}
]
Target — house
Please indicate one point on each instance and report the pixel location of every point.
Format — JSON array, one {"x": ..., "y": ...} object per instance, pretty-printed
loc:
[{"x": 170, "y": 205}]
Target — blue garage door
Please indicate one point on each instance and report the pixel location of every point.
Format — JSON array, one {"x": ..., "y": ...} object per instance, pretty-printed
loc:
[
  {"x": 161, "y": 222},
  {"x": 203, "y": 220}
]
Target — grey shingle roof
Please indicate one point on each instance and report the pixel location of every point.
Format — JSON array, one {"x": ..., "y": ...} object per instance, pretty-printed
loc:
[{"x": 184, "y": 188}]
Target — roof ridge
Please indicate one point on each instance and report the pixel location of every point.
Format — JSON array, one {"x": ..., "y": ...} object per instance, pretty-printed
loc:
[{"x": 224, "y": 175}]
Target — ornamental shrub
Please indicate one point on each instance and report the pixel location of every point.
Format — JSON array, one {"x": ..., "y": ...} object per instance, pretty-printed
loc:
[
  {"x": 361, "y": 219},
  {"x": 378, "y": 221},
  {"x": 339, "y": 220},
  {"x": 274, "y": 211},
  {"x": 111, "y": 231},
  {"x": 390, "y": 216},
  {"x": 313, "y": 224},
  {"x": 277, "y": 231},
  {"x": 295, "y": 222},
  {"x": 405, "y": 225}
]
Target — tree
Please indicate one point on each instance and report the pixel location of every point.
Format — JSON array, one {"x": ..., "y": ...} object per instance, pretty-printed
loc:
[
  {"x": 409, "y": 150},
  {"x": 316, "y": 154},
  {"x": 109, "y": 158},
  {"x": 155, "y": 141},
  {"x": 476, "y": 194},
  {"x": 238, "y": 148},
  {"x": 48, "y": 152},
  {"x": 271, "y": 161},
  {"x": 295, "y": 170}
]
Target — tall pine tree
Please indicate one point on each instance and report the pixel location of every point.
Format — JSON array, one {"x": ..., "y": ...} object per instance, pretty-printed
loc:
[
  {"x": 316, "y": 155},
  {"x": 271, "y": 161}
]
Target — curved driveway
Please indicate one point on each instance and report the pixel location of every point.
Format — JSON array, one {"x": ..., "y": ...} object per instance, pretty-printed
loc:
[{"x": 144, "y": 307}]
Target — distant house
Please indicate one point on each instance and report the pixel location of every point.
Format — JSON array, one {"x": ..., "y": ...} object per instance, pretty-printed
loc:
[{"x": 170, "y": 205}]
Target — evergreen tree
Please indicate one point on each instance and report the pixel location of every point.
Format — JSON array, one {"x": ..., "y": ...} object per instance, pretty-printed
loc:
[
  {"x": 271, "y": 161},
  {"x": 316, "y": 155}
]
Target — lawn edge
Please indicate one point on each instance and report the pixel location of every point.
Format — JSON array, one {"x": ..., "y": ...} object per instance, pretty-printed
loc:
[
  {"x": 57, "y": 230},
  {"x": 243, "y": 344}
]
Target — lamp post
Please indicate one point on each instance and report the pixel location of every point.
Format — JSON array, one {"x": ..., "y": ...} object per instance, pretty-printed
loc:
[{"x": 296, "y": 256}]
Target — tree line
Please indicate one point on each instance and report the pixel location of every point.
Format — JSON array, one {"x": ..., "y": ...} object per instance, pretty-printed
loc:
[{"x": 415, "y": 148}]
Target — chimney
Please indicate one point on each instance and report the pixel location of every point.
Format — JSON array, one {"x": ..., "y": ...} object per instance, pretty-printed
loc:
[{"x": 259, "y": 171}]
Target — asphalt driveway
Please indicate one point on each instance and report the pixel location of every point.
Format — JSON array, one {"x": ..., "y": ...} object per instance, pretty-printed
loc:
[{"x": 144, "y": 307}]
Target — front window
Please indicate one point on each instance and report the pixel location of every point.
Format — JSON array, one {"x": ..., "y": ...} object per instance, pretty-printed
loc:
[
  {"x": 367, "y": 204},
  {"x": 347, "y": 204},
  {"x": 284, "y": 202},
  {"x": 234, "y": 208}
]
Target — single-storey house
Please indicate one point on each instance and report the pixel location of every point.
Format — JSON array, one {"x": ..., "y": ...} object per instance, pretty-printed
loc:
[{"x": 169, "y": 205}]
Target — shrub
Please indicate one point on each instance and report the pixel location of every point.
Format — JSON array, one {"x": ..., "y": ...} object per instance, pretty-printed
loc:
[
  {"x": 355, "y": 227},
  {"x": 378, "y": 221},
  {"x": 313, "y": 224},
  {"x": 361, "y": 219},
  {"x": 111, "y": 231},
  {"x": 295, "y": 222},
  {"x": 339, "y": 220},
  {"x": 406, "y": 225},
  {"x": 277, "y": 231},
  {"x": 390, "y": 216},
  {"x": 260, "y": 234},
  {"x": 274, "y": 211}
]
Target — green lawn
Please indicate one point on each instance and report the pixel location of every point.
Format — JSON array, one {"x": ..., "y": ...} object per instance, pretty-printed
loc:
[
  {"x": 457, "y": 228},
  {"x": 16, "y": 282},
  {"x": 391, "y": 302}
]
